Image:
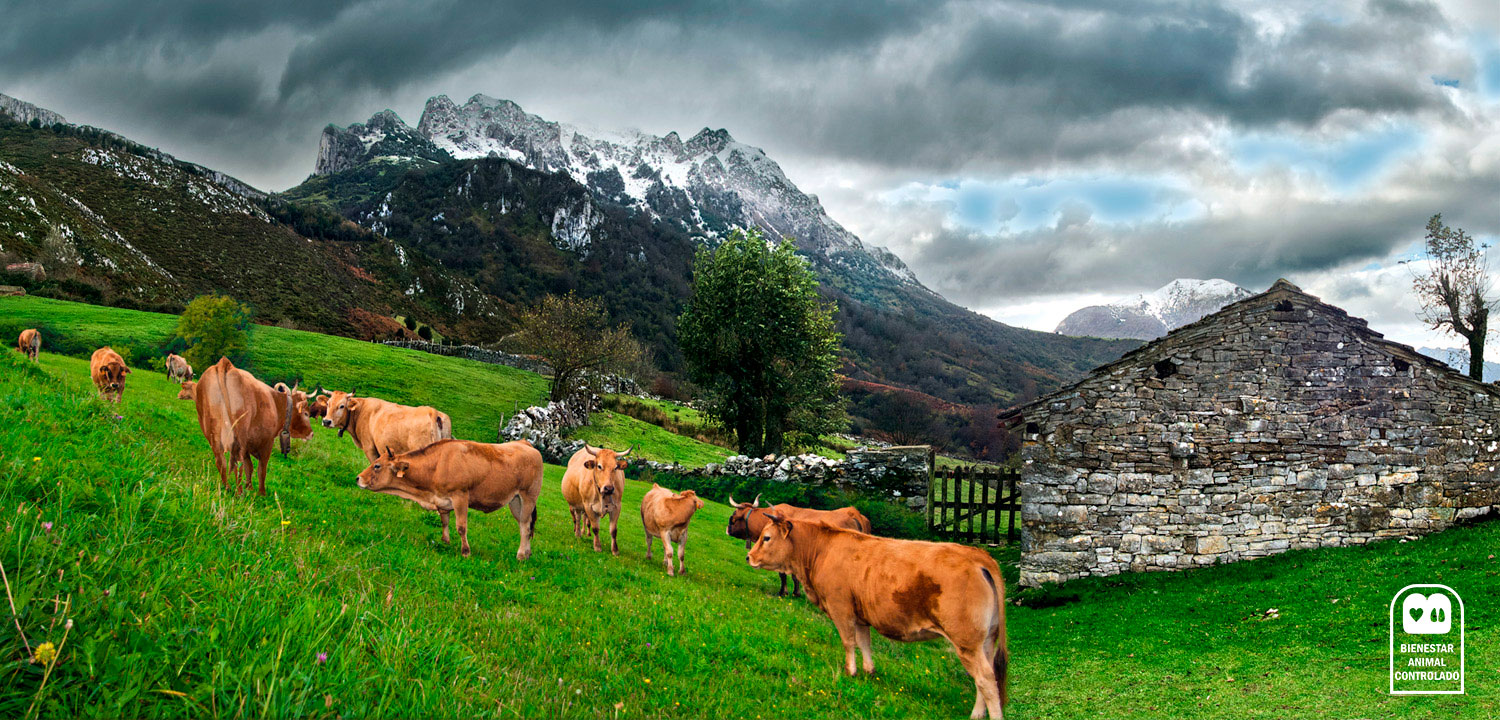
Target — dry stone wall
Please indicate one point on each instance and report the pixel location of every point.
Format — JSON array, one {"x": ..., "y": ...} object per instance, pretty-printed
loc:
[
  {"x": 900, "y": 473},
  {"x": 1278, "y": 423}
]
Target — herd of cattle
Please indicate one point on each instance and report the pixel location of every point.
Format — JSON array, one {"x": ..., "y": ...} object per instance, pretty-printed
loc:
[{"x": 906, "y": 590}]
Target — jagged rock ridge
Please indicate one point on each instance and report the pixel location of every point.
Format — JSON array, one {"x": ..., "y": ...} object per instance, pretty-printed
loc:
[{"x": 1151, "y": 315}]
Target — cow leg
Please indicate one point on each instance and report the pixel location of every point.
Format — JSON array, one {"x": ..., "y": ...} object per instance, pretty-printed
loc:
[
  {"x": 981, "y": 667},
  {"x": 577, "y": 526},
  {"x": 522, "y": 509},
  {"x": 666, "y": 551},
  {"x": 846, "y": 628},
  {"x": 614, "y": 533},
  {"x": 264, "y": 461},
  {"x": 796, "y": 586},
  {"x": 444, "y": 515},
  {"x": 681, "y": 545},
  {"x": 461, "y": 514},
  {"x": 782, "y": 591},
  {"x": 648, "y": 544},
  {"x": 862, "y": 637},
  {"x": 594, "y": 531}
]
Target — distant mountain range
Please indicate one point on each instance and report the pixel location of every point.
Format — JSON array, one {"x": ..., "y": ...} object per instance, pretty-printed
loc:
[
  {"x": 1151, "y": 315},
  {"x": 1458, "y": 359},
  {"x": 471, "y": 215}
]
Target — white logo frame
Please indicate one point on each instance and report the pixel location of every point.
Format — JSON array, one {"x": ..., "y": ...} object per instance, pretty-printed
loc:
[{"x": 1391, "y": 615}]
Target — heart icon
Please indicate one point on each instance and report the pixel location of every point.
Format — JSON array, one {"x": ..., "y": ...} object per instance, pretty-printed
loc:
[{"x": 1427, "y": 614}]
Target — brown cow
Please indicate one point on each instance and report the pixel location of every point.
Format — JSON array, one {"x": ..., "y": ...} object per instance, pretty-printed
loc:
[
  {"x": 319, "y": 407},
  {"x": 30, "y": 343},
  {"x": 108, "y": 370},
  {"x": 455, "y": 475},
  {"x": 178, "y": 368},
  {"x": 186, "y": 393},
  {"x": 594, "y": 486},
  {"x": 376, "y": 424},
  {"x": 750, "y": 518},
  {"x": 243, "y": 417},
  {"x": 666, "y": 514},
  {"x": 907, "y": 590}
]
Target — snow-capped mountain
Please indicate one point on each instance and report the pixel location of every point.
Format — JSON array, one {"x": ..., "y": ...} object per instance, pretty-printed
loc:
[
  {"x": 1151, "y": 315},
  {"x": 706, "y": 184}
]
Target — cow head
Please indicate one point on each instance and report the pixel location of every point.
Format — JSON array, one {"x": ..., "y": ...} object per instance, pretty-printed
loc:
[
  {"x": 773, "y": 549},
  {"x": 382, "y": 473},
  {"x": 340, "y": 410},
  {"x": 187, "y": 390},
  {"x": 319, "y": 408},
  {"x": 602, "y": 466},
  {"x": 301, "y": 426},
  {"x": 739, "y": 522},
  {"x": 693, "y": 496},
  {"x": 114, "y": 375}
]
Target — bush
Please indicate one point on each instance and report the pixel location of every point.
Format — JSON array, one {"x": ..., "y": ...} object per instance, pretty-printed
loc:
[
  {"x": 214, "y": 326},
  {"x": 425, "y": 332}
]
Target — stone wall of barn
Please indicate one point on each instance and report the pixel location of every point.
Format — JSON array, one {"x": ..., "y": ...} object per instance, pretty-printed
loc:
[{"x": 1280, "y": 423}]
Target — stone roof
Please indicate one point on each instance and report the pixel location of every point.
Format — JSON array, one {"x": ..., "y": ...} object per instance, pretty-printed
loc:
[{"x": 1281, "y": 290}]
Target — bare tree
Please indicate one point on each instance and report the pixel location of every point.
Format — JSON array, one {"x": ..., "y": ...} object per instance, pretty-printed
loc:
[
  {"x": 572, "y": 334},
  {"x": 1454, "y": 290}
]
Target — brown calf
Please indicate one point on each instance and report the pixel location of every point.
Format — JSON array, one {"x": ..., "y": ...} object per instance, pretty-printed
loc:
[
  {"x": 750, "y": 518},
  {"x": 906, "y": 589},
  {"x": 666, "y": 514},
  {"x": 188, "y": 388},
  {"x": 455, "y": 475},
  {"x": 242, "y": 418},
  {"x": 594, "y": 486},
  {"x": 108, "y": 370},
  {"x": 30, "y": 343}
]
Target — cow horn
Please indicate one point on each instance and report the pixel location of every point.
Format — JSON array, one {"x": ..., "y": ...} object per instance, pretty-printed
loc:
[
  {"x": 590, "y": 450},
  {"x": 626, "y": 453},
  {"x": 757, "y": 501},
  {"x": 388, "y": 452},
  {"x": 732, "y": 503}
]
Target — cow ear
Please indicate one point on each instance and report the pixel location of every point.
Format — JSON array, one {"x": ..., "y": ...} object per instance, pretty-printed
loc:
[
  {"x": 588, "y": 464},
  {"x": 624, "y": 464},
  {"x": 126, "y": 372}
]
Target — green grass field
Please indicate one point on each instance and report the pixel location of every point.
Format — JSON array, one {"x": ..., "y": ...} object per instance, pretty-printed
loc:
[{"x": 186, "y": 603}]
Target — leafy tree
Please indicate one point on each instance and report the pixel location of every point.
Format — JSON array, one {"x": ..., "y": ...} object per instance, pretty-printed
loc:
[
  {"x": 761, "y": 345},
  {"x": 572, "y": 334},
  {"x": 213, "y": 326},
  {"x": 425, "y": 332},
  {"x": 1454, "y": 288}
]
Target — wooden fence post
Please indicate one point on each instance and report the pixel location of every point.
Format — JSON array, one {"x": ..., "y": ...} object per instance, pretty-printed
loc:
[
  {"x": 984, "y": 503},
  {"x": 1015, "y": 502},
  {"x": 931, "y": 480}
]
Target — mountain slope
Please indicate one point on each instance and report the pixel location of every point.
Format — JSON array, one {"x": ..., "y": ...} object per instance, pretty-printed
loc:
[
  {"x": 115, "y": 222},
  {"x": 637, "y": 205},
  {"x": 1151, "y": 315}
]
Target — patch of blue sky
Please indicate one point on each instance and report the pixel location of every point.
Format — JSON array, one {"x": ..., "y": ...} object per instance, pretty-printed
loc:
[
  {"x": 1027, "y": 203},
  {"x": 1345, "y": 165},
  {"x": 1486, "y": 51}
]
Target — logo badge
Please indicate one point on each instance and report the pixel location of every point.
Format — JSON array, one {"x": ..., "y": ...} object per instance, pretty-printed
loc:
[{"x": 1427, "y": 643}]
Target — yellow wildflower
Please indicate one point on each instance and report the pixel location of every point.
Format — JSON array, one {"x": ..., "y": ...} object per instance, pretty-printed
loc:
[{"x": 45, "y": 654}]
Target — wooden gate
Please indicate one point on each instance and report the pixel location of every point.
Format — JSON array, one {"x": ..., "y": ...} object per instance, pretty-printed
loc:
[{"x": 973, "y": 504}]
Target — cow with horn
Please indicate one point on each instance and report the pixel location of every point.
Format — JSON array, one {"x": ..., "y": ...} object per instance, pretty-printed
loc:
[{"x": 594, "y": 486}]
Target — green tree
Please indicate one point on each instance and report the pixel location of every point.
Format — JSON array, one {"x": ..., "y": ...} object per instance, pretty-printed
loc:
[
  {"x": 213, "y": 326},
  {"x": 1454, "y": 289},
  {"x": 762, "y": 345},
  {"x": 573, "y": 335}
]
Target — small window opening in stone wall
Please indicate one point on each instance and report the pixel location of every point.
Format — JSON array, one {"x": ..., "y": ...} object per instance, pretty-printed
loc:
[
  {"x": 1033, "y": 428},
  {"x": 1165, "y": 369},
  {"x": 1402, "y": 365},
  {"x": 1285, "y": 306}
]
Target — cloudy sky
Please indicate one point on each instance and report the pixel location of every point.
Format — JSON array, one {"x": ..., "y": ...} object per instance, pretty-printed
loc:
[{"x": 1024, "y": 157}]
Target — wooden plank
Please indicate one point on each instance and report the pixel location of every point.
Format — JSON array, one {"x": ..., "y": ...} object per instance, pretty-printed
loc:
[
  {"x": 1010, "y": 534},
  {"x": 970, "y": 533},
  {"x": 984, "y": 520},
  {"x": 930, "y": 498}
]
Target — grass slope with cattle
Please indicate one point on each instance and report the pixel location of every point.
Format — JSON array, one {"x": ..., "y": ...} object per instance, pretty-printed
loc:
[{"x": 188, "y": 603}]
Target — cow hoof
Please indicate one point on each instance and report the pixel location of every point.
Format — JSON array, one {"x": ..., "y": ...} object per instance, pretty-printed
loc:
[{"x": 522, "y": 556}]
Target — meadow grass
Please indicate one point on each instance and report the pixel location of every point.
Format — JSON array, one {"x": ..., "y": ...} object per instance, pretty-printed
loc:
[{"x": 189, "y": 603}]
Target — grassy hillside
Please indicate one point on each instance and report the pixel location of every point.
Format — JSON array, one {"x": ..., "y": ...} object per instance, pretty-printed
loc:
[{"x": 186, "y": 603}]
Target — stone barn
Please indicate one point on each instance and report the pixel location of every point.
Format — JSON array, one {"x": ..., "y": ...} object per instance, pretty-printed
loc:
[{"x": 1278, "y": 422}]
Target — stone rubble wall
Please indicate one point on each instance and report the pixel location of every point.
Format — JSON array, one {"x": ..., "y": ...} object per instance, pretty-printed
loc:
[
  {"x": 544, "y": 426},
  {"x": 1276, "y": 425},
  {"x": 896, "y": 472}
]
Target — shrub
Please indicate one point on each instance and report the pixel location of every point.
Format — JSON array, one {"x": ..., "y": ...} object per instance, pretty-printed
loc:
[{"x": 213, "y": 326}]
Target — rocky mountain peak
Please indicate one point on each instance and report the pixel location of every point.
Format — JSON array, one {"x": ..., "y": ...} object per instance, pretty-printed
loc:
[
  {"x": 25, "y": 112},
  {"x": 1148, "y": 316}
]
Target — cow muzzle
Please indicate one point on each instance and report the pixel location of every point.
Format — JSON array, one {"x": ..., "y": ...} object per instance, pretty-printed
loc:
[
  {"x": 327, "y": 422},
  {"x": 359, "y": 481},
  {"x": 607, "y": 490}
]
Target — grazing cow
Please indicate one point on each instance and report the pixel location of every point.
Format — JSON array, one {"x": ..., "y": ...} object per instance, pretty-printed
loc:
[
  {"x": 243, "y": 417},
  {"x": 907, "y": 590},
  {"x": 376, "y": 424},
  {"x": 108, "y": 370},
  {"x": 186, "y": 393},
  {"x": 178, "y": 368},
  {"x": 319, "y": 407},
  {"x": 30, "y": 343},
  {"x": 594, "y": 486},
  {"x": 750, "y": 518},
  {"x": 666, "y": 514},
  {"x": 455, "y": 475}
]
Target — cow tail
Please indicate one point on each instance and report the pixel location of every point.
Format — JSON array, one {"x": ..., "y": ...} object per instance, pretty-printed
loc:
[
  {"x": 1002, "y": 651},
  {"x": 533, "y": 520}
]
